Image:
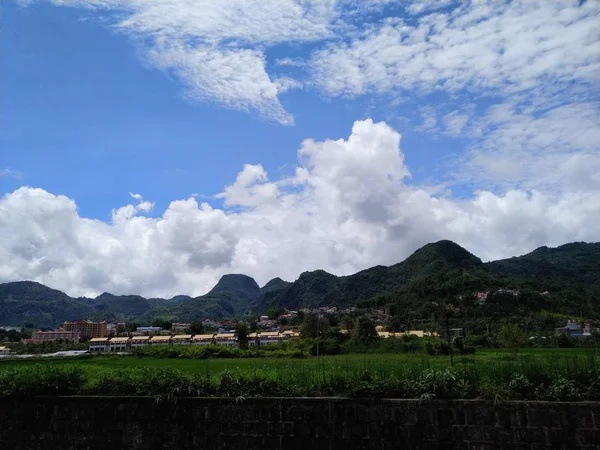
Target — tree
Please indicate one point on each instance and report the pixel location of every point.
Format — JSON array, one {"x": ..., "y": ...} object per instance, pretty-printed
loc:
[
  {"x": 347, "y": 323},
  {"x": 197, "y": 328},
  {"x": 445, "y": 311},
  {"x": 512, "y": 337},
  {"x": 313, "y": 326},
  {"x": 163, "y": 323},
  {"x": 241, "y": 331},
  {"x": 365, "y": 331}
]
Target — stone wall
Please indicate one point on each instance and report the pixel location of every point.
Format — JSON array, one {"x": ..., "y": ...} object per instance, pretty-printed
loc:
[{"x": 295, "y": 423}]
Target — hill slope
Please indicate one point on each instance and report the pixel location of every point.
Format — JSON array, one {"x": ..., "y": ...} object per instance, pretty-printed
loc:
[{"x": 571, "y": 272}]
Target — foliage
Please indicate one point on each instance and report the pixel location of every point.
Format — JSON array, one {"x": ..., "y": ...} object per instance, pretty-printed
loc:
[
  {"x": 537, "y": 375},
  {"x": 364, "y": 330},
  {"x": 568, "y": 276},
  {"x": 313, "y": 326},
  {"x": 512, "y": 337}
]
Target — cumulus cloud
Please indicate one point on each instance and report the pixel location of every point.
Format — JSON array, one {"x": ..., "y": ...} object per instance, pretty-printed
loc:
[{"x": 346, "y": 207}]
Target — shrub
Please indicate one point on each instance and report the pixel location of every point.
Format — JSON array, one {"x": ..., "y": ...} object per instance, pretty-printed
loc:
[{"x": 41, "y": 380}]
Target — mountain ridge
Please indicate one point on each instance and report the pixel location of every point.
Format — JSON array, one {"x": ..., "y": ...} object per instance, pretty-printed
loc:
[{"x": 439, "y": 264}]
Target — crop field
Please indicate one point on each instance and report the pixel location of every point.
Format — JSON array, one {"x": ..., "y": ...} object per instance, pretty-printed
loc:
[{"x": 534, "y": 373}]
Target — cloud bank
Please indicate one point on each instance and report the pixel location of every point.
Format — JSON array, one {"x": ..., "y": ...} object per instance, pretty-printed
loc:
[{"x": 346, "y": 207}]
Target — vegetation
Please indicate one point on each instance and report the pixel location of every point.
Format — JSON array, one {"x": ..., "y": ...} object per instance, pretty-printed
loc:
[
  {"x": 512, "y": 337},
  {"x": 536, "y": 374},
  {"x": 551, "y": 284}
]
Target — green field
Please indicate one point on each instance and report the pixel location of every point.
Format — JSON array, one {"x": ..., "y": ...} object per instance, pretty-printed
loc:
[{"x": 534, "y": 372}]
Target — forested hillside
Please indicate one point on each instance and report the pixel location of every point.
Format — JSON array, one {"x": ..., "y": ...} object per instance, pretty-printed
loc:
[{"x": 563, "y": 280}]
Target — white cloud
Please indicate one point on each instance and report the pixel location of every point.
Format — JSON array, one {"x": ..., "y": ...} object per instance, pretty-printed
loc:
[
  {"x": 345, "y": 208},
  {"x": 558, "y": 150},
  {"x": 217, "y": 48},
  {"x": 505, "y": 47},
  {"x": 455, "y": 122},
  {"x": 11, "y": 173},
  {"x": 128, "y": 211}
]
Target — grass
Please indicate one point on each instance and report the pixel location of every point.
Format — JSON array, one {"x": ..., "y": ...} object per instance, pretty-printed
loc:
[{"x": 535, "y": 373}]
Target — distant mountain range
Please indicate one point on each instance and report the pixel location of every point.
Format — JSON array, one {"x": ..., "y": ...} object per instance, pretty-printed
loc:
[{"x": 571, "y": 271}]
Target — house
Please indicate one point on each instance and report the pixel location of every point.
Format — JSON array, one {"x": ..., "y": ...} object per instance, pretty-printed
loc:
[
  {"x": 181, "y": 339},
  {"x": 4, "y": 351},
  {"x": 160, "y": 340},
  {"x": 268, "y": 337},
  {"x": 139, "y": 341},
  {"x": 385, "y": 334},
  {"x": 176, "y": 327},
  {"x": 287, "y": 335},
  {"x": 98, "y": 344},
  {"x": 118, "y": 344},
  {"x": 252, "y": 339},
  {"x": 226, "y": 339},
  {"x": 202, "y": 339}
]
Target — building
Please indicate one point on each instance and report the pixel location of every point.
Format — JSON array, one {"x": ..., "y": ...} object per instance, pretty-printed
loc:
[
  {"x": 118, "y": 344},
  {"x": 253, "y": 339},
  {"x": 51, "y": 336},
  {"x": 87, "y": 328},
  {"x": 4, "y": 351},
  {"x": 226, "y": 339},
  {"x": 181, "y": 339},
  {"x": 268, "y": 338},
  {"x": 148, "y": 330},
  {"x": 203, "y": 339},
  {"x": 287, "y": 335},
  {"x": 98, "y": 345},
  {"x": 139, "y": 341},
  {"x": 160, "y": 340},
  {"x": 180, "y": 326}
]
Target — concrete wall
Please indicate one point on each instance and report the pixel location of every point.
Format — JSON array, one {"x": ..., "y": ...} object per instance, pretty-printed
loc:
[{"x": 298, "y": 423}]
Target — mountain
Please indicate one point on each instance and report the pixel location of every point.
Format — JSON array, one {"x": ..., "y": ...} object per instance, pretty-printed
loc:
[
  {"x": 24, "y": 302},
  {"x": 571, "y": 273},
  {"x": 319, "y": 288}
]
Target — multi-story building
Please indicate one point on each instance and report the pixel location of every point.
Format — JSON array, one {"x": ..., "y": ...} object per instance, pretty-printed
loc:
[
  {"x": 98, "y": 345},
  {"x": 118, "y": 344},
  {"x": 87, "y": 328},
  {"x": 268, "y": 337},
  {"x": 202, "y": 339},
  {"x": 54, "y": 335},
  {"x": 182, "y": 339},
  {"x": 139, "y": 341},
  {"x": 226, "y": 339},
  {"x": 160, "y": 340}
]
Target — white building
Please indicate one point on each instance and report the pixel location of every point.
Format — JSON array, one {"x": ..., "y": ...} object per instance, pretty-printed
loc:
[
  {"x": 226, "y": 339},
  {"x": 160, "y": 340},
  {"x": 118, "y": 344},
  {"x": 181, "y": 339},
  {"x": 202, "y": 339},
  {"x": 98, "y": 345},
  {"x": 4, "y": 351},
  {"x": 268, "y": 338},
  {"x": 139, "y": 341}
]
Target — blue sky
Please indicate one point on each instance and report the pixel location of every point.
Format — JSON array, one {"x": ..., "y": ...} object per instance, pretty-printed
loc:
[{"x": 182, "y": 102}]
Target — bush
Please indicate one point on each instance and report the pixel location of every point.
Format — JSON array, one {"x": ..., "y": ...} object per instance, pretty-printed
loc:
[{"x": 41, "y": 380}]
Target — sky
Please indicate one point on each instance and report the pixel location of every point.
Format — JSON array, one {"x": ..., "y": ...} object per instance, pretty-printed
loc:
[{"x": 151, "y": 146}]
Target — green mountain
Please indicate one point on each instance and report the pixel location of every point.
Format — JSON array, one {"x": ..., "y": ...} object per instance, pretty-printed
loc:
[
  {"x": 569, "y": 273},
  {"x": 24, "y": 302}
]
